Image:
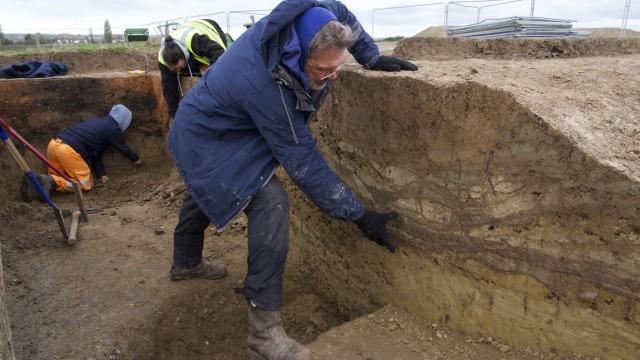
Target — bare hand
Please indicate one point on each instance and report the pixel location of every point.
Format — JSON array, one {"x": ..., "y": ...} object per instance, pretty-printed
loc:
[
  {"x": 104, "y": 179},
  {"x": 138, "y": 162}
]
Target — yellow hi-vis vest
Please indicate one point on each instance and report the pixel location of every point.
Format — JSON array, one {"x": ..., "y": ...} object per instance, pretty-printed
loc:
[{"x": 185, "y": 33}]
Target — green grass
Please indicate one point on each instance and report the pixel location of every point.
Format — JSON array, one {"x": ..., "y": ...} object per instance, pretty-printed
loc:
[
  {"x": 16, "y": 50},
  {"x": 392, "y": 38}
]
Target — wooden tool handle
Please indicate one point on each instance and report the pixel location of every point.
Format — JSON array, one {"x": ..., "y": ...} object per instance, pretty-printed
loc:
[{"x": 73, "y": 228}]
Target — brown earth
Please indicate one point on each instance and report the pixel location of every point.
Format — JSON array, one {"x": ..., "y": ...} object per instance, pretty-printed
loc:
[
  {"x": 80, "y": 62},
  {"x": 433, "y": 31},
  {"x": 430, "y": 48},
  {"x": 109, "y": 297},
  {"x": 393, "y": 333},
  {"x": 517, "y": 179}
]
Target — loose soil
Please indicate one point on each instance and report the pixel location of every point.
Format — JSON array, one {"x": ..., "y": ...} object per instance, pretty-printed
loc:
[
  {"x": 109, "y": 296},
  {"x": 392, "y": 333}
]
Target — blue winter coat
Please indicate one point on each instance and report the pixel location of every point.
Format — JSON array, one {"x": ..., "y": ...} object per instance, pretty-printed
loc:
[
  {"x": 244, "y": 118},
  {"x": 33, "y": 69},
  {"x": 92, "y": 137}
]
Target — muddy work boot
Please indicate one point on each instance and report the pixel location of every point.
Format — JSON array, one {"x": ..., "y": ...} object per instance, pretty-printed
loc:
[
  {"x": 204, "y": 270},
  {"x": 29, "y": 193},
  {"x": 268, "y": 341}
]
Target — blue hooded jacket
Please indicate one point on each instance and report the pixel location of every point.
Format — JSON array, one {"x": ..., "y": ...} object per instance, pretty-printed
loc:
[
  {"x": 92, "y": 137},
  {"x": 33, "y": 69},
  {"x": 249, "y": 114}
]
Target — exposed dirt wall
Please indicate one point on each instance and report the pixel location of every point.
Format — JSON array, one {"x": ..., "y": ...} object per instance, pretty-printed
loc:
[
  {"x": 506, "y": 226},
  {"x": 80, "y": 62},
  {"x": 449, "y": 48}
]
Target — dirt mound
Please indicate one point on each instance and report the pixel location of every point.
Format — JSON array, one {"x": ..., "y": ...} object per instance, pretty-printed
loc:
[
  {"x": 81, "y": 62},
  {"x": 456, "y": 48},
  {"x": 610, "y": 32},
  {"x": 438, "y": 31}
]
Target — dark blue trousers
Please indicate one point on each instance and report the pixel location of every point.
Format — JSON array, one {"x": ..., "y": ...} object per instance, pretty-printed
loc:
[{"x": 268, "y": 215}]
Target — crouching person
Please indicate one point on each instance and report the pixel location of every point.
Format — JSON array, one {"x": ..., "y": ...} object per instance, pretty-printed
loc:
[{"x": 78, "y": 152}]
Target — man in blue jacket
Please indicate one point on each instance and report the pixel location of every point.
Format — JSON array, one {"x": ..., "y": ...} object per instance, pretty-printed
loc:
[{"x": 247, "y": 116}]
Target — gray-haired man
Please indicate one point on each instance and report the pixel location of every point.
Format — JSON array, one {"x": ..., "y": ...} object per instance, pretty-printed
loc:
[{"x": 248, "y": 116}]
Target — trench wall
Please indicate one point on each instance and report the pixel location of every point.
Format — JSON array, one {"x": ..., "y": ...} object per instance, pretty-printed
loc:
[{"x": 505, "y": 227}]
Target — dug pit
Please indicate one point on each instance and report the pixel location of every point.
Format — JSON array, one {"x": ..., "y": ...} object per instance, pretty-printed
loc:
[
  {"x": 109, "y": 296},
  {"x": 516, "y": 184}
]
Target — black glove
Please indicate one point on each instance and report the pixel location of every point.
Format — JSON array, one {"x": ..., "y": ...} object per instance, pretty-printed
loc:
[
  {"x": 374, "y": 226},
  {"x": 390, "y": 63}
]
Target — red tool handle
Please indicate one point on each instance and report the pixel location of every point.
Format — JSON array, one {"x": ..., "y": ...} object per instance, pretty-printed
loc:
[{"x": 35, "y": 151}]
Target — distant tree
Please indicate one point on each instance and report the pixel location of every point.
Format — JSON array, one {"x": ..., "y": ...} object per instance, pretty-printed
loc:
[
  {"x": 29, "y": 39},
  {"x": 108, "y": 35},
  {"x": 91, "y": 41},
  {"x": 44, "y": 39},
  {"x": 3, "y": 39}
]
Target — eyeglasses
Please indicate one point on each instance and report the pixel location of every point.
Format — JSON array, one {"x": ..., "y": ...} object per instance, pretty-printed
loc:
[{"x": 332, "y": 73}]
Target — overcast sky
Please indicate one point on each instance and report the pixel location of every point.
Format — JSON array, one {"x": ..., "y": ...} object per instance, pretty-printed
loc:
[{"x": 77, "y": 16}]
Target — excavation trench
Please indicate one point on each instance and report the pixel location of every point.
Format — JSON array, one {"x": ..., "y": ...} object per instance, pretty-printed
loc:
[
  {"x": 507, "y": 227},
  {"x": 110, "y": 296}
]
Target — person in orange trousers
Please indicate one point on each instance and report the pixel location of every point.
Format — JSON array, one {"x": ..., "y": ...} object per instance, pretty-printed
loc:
[{"x": 78, "y": 152}]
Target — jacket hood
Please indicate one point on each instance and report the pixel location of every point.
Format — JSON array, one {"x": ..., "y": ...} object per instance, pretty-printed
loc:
[
  {"x": 283, "y": 15},
  {"x": 291, "y": 57},
  {"x": 289, "y": 29},
  {"x": 121, "y": 115},
  {"x": 276, "y": 32},
  {"x": 184, "y": 50},
  {"x": 307, "y": 26}
]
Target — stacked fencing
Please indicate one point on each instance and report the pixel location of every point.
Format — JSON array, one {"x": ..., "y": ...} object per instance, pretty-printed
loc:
[
  {"x": 519, "y": 27},
  {"x": 479, "y": 5}
]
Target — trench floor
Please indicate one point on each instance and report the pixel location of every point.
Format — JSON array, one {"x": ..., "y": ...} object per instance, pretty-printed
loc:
[{"x": 109, "y": 296}]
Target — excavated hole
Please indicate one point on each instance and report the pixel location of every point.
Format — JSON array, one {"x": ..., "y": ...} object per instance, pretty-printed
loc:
[
  {"x": 449, "y": 159},
  {"x": 110, "y": 294}
]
